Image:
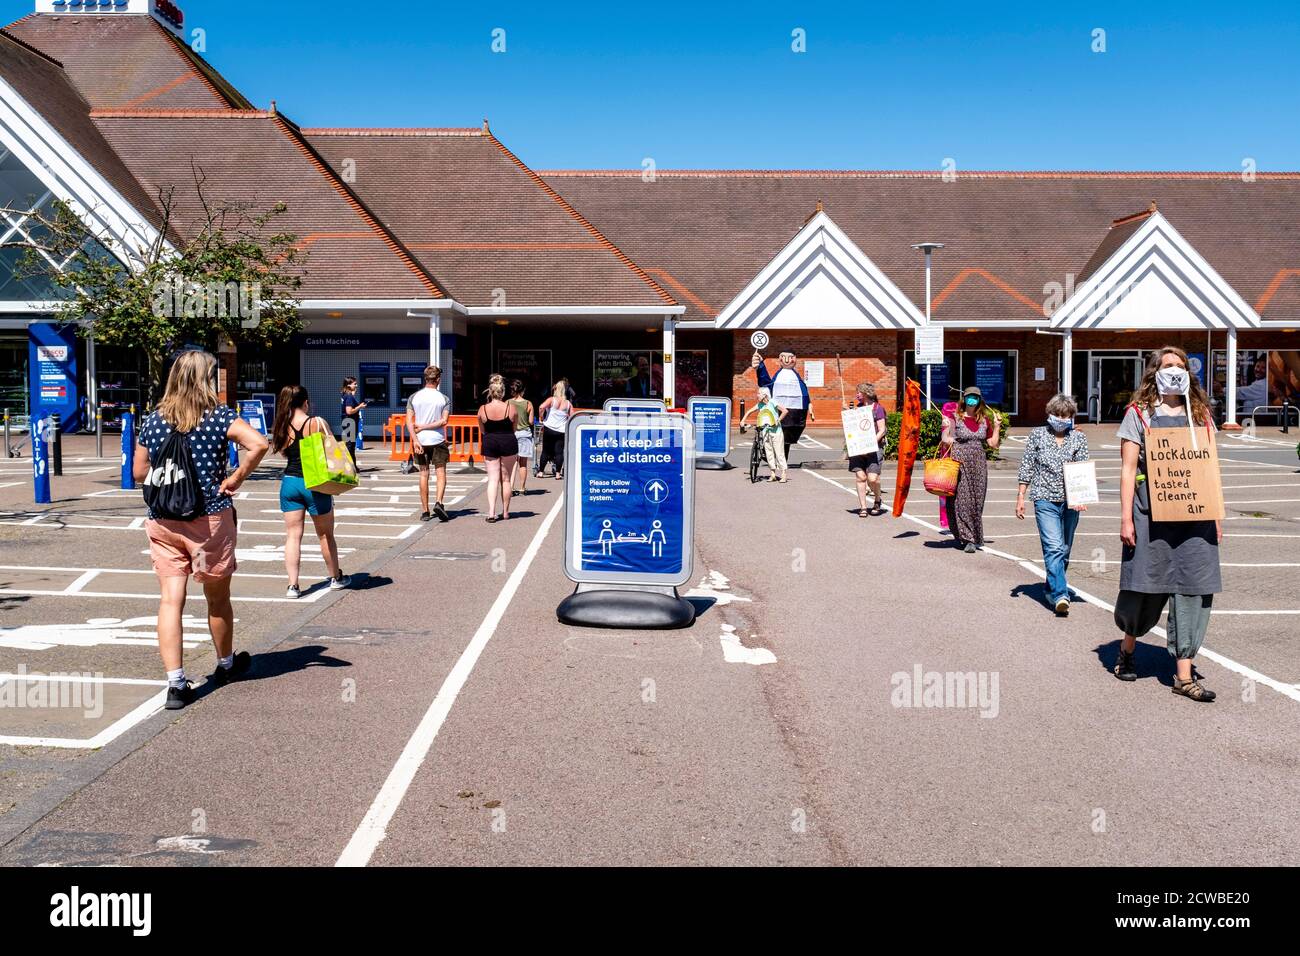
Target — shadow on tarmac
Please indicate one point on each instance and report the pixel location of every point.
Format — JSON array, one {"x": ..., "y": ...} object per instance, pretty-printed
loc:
[
  {"x": 289, "y": 660},
  {"x": 1150, "y": 661}
]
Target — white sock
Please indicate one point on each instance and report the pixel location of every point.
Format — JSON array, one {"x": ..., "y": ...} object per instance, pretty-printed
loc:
[
  {"x": 225, "y": 662},
  {"x": 176, "y": 678}
]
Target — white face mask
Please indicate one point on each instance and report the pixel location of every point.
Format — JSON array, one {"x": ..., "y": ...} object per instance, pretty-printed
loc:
[{"x": 1173, "y": 381}]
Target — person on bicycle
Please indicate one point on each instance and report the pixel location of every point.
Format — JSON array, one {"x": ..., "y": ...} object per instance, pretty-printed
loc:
[{"x": 769, "y": 417}]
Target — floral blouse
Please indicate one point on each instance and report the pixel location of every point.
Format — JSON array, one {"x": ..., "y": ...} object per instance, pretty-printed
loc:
[{"x": 1040, "y": 469}]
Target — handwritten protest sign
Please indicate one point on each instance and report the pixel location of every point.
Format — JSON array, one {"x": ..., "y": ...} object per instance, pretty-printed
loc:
[
  {"x": 860, "y": 430},
  {"x": 1183, "y": 481},
  {"x": 1080, "y": 483}
]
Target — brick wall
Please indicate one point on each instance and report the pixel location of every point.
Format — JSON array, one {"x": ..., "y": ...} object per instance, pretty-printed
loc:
[{"x": 864, "y": 357}]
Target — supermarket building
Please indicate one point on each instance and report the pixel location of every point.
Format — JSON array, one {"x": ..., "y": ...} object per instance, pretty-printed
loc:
[{"x": 442, "y": 245}]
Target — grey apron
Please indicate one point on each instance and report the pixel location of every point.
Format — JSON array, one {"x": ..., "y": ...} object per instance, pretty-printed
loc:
[{"x": 1171, "y": 557}]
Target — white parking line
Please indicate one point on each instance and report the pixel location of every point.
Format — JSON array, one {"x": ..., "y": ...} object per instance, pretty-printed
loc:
[
  {"x": 1287, "y": 690},
  {"x": 373, "y": 828},
  {"x": 105, "y": 736}
]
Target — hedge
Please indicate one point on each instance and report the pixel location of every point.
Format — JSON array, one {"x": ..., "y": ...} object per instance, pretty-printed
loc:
[{"x": 931, "y": 429}]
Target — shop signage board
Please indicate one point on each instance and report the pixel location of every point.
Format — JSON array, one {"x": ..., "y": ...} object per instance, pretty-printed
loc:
[
  {"x": 630, "y": 499},
  {"x": 711, "y": 416},
  {"x": 253, "y": 411}
]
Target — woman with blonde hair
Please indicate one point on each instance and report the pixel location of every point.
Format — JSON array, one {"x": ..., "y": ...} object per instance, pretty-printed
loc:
[
  {"x": 1164, "y": 562},
  {"x": 204, "y": 546},
  {"x": 555, "y": 412},
  {"x": 498, "y": 420}
]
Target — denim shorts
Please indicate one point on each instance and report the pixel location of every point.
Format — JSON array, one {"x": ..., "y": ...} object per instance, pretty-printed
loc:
[{"x": 296, "y": 496}]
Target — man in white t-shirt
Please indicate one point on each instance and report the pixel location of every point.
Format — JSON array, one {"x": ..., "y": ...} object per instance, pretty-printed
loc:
[{"x": 426, "y": 422}]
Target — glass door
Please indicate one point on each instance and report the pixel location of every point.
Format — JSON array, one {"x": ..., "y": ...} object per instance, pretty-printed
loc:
[{"x": 1112, "y": 380}]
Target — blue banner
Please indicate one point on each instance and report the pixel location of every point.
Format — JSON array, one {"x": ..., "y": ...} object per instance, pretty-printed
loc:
[
  {"x": 712, "y": 418},
  {"x": 52, "y": 364},
  {"x": 632, "y": 500},
  {"x": 252, "y": 411},
  {"x": 991, "y": 379}
]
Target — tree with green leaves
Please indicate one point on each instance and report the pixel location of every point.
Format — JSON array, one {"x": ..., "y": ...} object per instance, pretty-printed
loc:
[{"x": 227, "y": 275}]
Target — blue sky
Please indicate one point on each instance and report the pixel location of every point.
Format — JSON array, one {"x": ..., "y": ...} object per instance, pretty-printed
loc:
[{"x": 1193, "y": 86}]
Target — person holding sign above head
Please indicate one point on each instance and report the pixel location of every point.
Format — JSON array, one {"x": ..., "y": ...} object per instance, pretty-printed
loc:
[
  {"x": 866, "y": 468},
  {"x": 1042, "y": 475},
  {"x": 769, "y": 417},
  {"x": 971, "y": 426},
  {"x": 789, "y": 391},
  {"x": 1173, "y": 562}
]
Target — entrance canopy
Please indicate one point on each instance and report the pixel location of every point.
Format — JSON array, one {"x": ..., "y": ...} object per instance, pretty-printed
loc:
[
  {"x": 820, "y": 280},
  {"x": 1144, "y": 275}
]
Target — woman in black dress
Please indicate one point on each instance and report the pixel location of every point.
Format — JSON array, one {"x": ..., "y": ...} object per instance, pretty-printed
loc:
[{"x": 498, "y": 421}]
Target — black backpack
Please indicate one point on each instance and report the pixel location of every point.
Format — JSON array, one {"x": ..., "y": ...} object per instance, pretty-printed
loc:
[{"x": 171, "y": 489}]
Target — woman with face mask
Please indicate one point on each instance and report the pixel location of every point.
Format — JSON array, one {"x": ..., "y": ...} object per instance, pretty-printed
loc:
[
  {"x": 1166, "y": 562},
  {"x": 1042, "y": 476},
  {"x": 966, "y": 432}
]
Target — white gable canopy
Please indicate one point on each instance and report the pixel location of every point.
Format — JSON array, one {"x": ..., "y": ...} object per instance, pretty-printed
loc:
[
  {"x": 820, "y": 280},
  {"x": 1154, "y": 280}
]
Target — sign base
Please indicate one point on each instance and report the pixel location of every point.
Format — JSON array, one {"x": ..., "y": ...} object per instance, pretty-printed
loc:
[
  {"x": 626, "y": 609},
  {"x": 713, "y": 464}
]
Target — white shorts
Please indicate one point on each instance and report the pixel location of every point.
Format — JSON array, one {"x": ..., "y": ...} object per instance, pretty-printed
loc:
[{"x": 525, "y": 438}]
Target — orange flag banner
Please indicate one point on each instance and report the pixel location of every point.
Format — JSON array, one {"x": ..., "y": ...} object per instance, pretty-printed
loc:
[{"x": 909, "y": 442}]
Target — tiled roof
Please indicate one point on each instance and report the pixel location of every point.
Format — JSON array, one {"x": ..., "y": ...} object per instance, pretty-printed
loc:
[
  {"x": 45, "y": 87},
  {"x": 255, "y": 160},
  {"x": 481, "y": 221},
  {"x": 127, "y": 61},
  {"x": 704, "y": 233}
]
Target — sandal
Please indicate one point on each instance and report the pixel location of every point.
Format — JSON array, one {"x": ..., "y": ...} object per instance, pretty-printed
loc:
[
  {"x": 876, "y": 509},
  {"x": 1194, "y": 690},
  {"x": 863, "y": 512},
  {"x": 492, "y": 519},
  {"x": 1124, "y": 668}
]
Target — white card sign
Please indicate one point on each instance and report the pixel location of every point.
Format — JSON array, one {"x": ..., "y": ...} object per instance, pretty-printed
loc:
[
  {"x": 759, "y": 340},
  {"x": 860, "y": 430},
  {"x": 1080, "y": 483},
  {"x": 814, "y": 374},
  {"x": 929, "y": 345}
]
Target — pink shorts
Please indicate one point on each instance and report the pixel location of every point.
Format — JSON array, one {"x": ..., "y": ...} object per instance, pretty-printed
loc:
[{"x": 204, "y": 547}]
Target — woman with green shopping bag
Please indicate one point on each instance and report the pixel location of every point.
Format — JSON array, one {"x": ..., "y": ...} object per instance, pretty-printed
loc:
[{"x": 294, "y": 423}]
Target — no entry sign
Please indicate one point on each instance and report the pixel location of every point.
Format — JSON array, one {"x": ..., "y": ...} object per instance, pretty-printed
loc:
[{"x": 630, "y": 491}]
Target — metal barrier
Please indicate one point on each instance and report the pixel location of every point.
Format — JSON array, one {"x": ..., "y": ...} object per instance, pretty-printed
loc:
[{"x": 1277, "y": 411}]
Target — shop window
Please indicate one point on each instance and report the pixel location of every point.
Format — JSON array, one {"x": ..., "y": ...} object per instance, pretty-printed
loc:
[{"x": 995, "y": 373}]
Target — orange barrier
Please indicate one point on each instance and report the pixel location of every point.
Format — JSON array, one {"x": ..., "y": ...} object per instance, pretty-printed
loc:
[
  {"x": 396, "y": 438},
  {"x": 464, "y": 439}
]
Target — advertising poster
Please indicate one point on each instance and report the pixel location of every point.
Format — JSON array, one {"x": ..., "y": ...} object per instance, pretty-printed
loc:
[
  {"x": 692, "y": 376},
  {"x": 991, "y": 379},
  {"x": 624, "y": 373},
  {"x": 530, "y": 366}
]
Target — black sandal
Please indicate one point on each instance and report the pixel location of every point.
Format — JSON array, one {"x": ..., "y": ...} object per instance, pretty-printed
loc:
[
  {"x": 492, "y": 519},
  {"x": 1194, "y": 690},
  {"x": 863, "y": 512}
]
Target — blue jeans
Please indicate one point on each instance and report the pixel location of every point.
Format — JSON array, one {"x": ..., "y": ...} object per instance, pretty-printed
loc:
[{"x": 1056, "y": 524}]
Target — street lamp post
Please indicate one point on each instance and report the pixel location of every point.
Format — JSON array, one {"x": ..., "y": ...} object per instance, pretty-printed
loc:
[{"x": 927, "y": 248}]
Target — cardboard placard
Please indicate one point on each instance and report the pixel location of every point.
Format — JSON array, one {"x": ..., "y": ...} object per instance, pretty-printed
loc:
[
  {"x": 1183, "y": 481},
  {"x": 1080, "y": 483},
  {"x": 860, "y": 430}
]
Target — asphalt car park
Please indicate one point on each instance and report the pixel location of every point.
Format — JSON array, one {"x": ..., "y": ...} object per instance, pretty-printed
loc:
[{"x": 443, "y": 715}]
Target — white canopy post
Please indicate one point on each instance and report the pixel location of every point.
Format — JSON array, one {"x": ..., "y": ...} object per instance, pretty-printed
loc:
[
  {"x": 670, "y": 377},
  {"x": 1230, "y": 418},
  {"x": 1067, "y": 363}
]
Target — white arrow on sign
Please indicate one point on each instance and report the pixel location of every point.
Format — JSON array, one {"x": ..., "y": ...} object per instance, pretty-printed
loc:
[{"x": 656, "y": 491}]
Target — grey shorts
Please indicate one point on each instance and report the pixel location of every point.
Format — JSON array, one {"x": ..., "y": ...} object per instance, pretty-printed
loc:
[
  {"x": 1189, "y": 618},
  {"x": 868, "y": 463}
]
